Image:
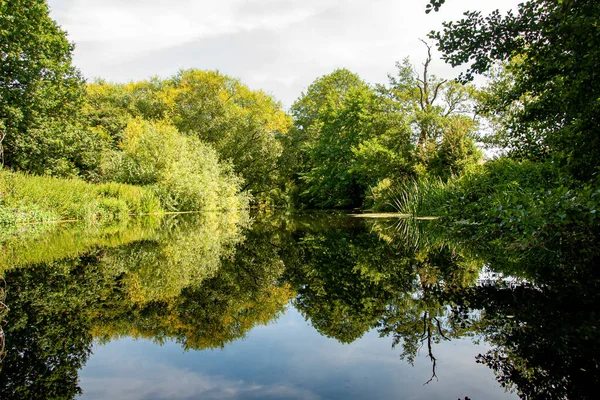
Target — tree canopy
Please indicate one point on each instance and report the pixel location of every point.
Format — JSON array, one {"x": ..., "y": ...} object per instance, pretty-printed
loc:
[
  {"x": 245, "y": 127},
  {"x": 553, "y": 51},
  {"x": 40, "y": 91}
]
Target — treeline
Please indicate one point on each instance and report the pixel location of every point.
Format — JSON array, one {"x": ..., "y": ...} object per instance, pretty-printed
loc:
[
  {"x": 202, "y": 140},
  {"x": 196, "y": 141},
  {"x": 353, "y": 143}
]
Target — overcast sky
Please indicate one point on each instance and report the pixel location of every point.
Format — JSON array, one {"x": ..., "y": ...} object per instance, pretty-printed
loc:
[{"x": 280, "y": 46}]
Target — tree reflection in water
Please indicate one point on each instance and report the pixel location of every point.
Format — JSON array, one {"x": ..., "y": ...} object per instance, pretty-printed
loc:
[{"x": 205, "y": 281}]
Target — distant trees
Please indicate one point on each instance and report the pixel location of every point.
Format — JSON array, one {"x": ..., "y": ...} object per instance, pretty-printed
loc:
[
  {"x": 198, "y": 138},
  {"x": 244, "y": 126}
]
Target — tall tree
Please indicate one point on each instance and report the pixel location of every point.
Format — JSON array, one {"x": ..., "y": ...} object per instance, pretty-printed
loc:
[
  {"x": 553, "y": 49},
  {"x": 40, "y": 89},
  {"x": 442, "y": 117},
  {"x": 340, "y": 122}
]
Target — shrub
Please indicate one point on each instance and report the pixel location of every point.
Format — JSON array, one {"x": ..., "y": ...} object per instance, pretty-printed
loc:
[{"x": 185, "y": 173}]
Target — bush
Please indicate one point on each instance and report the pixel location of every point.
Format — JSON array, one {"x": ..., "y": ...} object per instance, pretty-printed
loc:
[
  {"x": 185, "y": 173},
  {"x": 516, "y": 211}
]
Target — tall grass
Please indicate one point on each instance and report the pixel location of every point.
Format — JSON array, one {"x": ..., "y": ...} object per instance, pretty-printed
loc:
[
  {"x": 420, "y": 198},
  {"x": 476, "y": 191},
  {"x": 27, "y": 198}
]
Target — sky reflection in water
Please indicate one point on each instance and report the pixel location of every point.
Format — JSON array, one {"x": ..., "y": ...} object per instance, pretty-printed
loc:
[{"x": 287, "y": 359}]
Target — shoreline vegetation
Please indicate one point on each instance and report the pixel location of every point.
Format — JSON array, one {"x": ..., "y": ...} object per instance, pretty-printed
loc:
[
  {"x": 100, "y": 152},
  {"x": 29, "y": 199}
]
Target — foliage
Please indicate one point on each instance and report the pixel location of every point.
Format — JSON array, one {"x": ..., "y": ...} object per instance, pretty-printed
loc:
[
  {"x": 58, "y": 148},
  {"x": 40, "y": 93},
  {"x": 522, "y": 205},
  {"x": 442, "y": 119},
  {"x": 349, "y": 137},
  {"x": 185, "y": 173},
  {"x": 342, "y": 138},
  {"x": 244, "y": 126},
  {"x": 28, "y": 198},
  {"x": 553, "y": 52}
]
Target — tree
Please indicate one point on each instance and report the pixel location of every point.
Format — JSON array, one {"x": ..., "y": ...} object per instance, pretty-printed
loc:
[
  {"x": 553, "y": 53},
  {"x": 244, "y": 126},
  {"x": 340, "y": 124},
  {"x": 39, "y": 90},
  {"x": 442, "y": 118}
]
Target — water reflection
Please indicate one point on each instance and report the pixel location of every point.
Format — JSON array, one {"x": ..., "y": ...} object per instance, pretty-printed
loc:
[{"x": 205, "y": 281}]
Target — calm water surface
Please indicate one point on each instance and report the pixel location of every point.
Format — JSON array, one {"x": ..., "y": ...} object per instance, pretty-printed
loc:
[{"x": 222, "y": 306}]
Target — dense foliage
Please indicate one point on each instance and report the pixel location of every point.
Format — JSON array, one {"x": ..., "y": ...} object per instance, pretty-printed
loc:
[
  {"x": 184, "y": 172},
  {"x": 204, "y": 140},
  {"x": 351, "y": 140},
  {"x": 344, "y": 141},
  {"x": 550, "y": 100},
  {"x": 40, "y": 95},
  {"x": 243, "y": 126}
]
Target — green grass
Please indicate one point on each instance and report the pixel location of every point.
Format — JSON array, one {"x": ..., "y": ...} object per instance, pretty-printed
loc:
[{"x": 29, "y": 199}]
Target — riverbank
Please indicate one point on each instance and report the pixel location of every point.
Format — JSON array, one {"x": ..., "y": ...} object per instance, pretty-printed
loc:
[{"x": 27, "y": 200}]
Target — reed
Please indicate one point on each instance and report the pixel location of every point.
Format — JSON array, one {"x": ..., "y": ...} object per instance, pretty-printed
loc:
[{"x": 30, "y": 199}]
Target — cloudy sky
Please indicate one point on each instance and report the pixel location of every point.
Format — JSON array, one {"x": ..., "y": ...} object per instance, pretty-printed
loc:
[{"x": 279, "y": 46}]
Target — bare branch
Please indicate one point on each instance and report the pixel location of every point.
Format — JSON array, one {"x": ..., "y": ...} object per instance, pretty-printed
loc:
[
  {"x": 437, "y": 88},
  {"x": 439, "y": 326}
]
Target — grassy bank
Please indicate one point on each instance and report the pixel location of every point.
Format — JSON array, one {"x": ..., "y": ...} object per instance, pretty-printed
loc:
[{"x": 29, "y": 199}]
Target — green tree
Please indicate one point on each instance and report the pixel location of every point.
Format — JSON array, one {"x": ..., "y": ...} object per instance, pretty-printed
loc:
[
  {"x": 553, "y": 51},
  {"x": 245, "y": 127},
  {"x": 341, "y": 124},
  {"x": 442, "y": 118},
  {"x": 40, "y": 92}
]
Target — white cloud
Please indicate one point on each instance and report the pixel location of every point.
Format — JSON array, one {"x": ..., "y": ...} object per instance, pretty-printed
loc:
[
  {"x": 149, "y": 380},
  {"x": 280, "y": 46}
]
